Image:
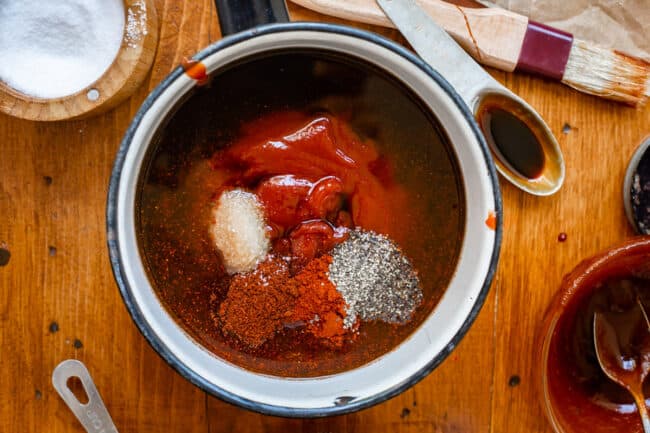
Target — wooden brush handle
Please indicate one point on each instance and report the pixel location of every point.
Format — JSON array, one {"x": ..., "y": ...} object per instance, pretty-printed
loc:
[{"x": 493, "y": 36}]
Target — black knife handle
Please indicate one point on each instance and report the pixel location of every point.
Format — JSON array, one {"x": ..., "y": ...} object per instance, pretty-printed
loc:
[{"x": 238, "y": 15}]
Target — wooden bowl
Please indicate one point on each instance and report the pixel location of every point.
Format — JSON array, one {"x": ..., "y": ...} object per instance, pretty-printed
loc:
[{"x": 117, "y": 83}]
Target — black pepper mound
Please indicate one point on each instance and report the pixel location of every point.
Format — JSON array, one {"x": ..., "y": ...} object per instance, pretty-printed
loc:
[
  {"x": 640, "y": 194},
  {"x": 376, "y": 279}
]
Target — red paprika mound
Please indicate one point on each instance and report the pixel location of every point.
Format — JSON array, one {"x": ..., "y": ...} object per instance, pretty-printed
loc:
[
  {"x": 319, "y": 304},
  {"x": 263, "y": 302},
  {"x": 258, "y": 303}
]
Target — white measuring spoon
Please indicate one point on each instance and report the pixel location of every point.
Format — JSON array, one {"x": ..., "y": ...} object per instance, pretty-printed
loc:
[{"x": 93, "y": 414}]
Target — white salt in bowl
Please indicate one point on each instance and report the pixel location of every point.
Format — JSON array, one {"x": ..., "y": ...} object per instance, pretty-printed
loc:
[
  {"x": 123, "y": 76},
  {"x": 391, "y": 373}
]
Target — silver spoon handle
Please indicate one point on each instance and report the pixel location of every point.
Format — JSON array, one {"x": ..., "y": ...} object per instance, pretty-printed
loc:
[
  {"x": 643, "y": 411},
  {"x": 92, "y": 415},
  {"x": 646, "y": 423}
]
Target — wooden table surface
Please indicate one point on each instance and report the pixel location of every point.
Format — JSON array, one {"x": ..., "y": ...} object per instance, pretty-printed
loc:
[{"x": 53, "y": 185}]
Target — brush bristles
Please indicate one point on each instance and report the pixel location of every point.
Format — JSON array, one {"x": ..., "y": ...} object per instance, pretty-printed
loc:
[{"x": 607, "y": 73}]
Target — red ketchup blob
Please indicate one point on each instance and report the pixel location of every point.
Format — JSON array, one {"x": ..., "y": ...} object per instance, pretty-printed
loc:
[
  {"x": 312, "y": 238},
  {"x": 283, "y": 199},
  {"x": 316, "y": 180}
]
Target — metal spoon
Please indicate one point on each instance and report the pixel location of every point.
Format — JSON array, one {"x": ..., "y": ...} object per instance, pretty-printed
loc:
[
  {"x": 625, "y": 372},
  {"x": 92, "y": 415},
  {"x": 478, "y": 89}
]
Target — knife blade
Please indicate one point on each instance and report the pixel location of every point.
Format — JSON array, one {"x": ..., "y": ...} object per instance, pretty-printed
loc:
[{"x": 432, "y": 43}]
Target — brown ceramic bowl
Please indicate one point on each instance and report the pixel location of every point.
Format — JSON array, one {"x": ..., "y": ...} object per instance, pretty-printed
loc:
[{"x": 568, "y": 404}]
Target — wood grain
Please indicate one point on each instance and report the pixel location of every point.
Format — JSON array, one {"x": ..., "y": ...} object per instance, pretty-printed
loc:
[{"x": 53, "y": 184}]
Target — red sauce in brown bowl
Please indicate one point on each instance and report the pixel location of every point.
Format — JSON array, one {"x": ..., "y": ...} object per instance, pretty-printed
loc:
[{"x": 576, "y": 395}]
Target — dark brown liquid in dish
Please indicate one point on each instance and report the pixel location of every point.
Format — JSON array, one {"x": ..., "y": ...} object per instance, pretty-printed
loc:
[
  {"x": 622, "y": 341},
  {"x": 582, "y": 395},
  {"x": 175, "y": 196},
  {"x": 617, "y": 300},
  {"x": 511, "y": 137}
]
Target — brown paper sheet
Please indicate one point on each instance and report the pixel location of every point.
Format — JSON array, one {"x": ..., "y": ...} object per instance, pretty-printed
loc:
[{"x": 620, "y": 24}]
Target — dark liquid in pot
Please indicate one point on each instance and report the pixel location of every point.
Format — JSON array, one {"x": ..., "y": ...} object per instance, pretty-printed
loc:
[{"x": 177, "y": 187}]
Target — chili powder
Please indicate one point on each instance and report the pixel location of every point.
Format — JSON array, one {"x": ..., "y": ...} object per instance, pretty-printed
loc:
[
  {"x": 319, "y": 304},
  {"x": 258, "y": 302},
  {"x": 267, "y": 300}
]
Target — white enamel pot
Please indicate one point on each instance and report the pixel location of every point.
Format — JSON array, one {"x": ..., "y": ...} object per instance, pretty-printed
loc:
[{"x": 429, "y": 344}]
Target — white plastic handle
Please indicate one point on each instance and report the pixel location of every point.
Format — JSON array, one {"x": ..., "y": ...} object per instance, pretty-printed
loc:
[{"x": 92, "y": 415}]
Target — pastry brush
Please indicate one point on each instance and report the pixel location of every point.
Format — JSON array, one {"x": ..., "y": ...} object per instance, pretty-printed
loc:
[{"x": 511, "y": 42}]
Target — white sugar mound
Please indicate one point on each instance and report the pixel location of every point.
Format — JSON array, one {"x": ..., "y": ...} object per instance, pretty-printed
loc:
[
  {"x": 239, "y": 231},
  {"x": 54, "y": 48}
]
